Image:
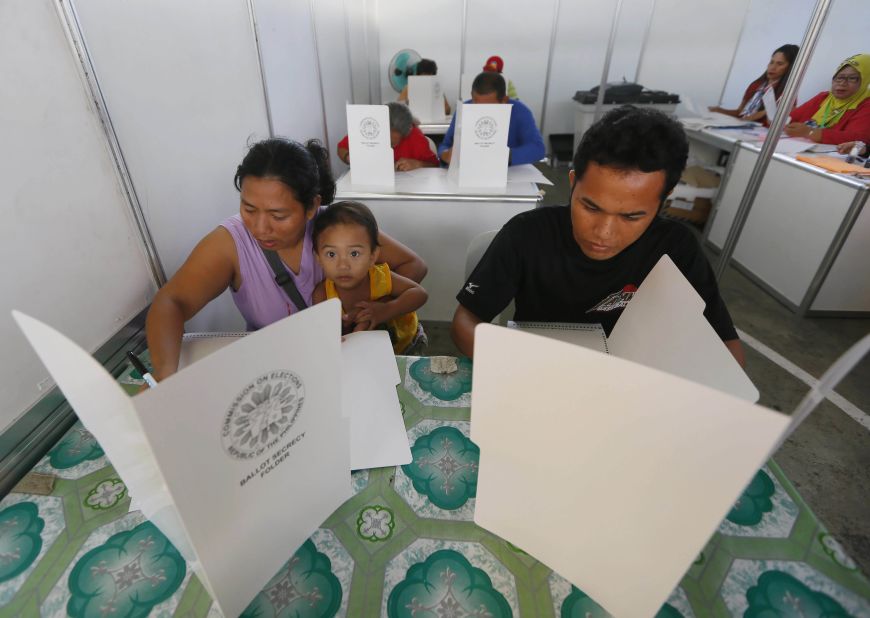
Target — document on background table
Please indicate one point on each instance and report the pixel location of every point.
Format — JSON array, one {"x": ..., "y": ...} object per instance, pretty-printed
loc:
[
  {"x": 371, "y": 156},
  {"x": 480, "y": 154},
  {"x": 425, "y": 98},
  {"x": 621, "y": 474},
  {"x": 793, "y": 145},
  {"x": 769, "y": 100},
  {"x": 249, "y": 441}
]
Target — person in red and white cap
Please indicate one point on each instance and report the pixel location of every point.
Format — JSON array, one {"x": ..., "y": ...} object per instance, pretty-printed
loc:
[{"x": 496, "y": 65}]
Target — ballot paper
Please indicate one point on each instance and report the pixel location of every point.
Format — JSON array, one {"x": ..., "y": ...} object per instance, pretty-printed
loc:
[
  {"x": 480, "y": 154},
  {"x": 590, "y": 336},
  {"x": 371, "y": 155},
  {"x": 663, "y": 327},
  {"x": 248, "y": 444},
  {"x": 793, "y": 145},
  {"x": 426, "y": 98},
  {"x": 606, "y": 470},
  {"x": 368, "y": 387}
]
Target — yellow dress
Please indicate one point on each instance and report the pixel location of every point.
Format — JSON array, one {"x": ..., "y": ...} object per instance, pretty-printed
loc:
[{"x": 403, "y": 328}]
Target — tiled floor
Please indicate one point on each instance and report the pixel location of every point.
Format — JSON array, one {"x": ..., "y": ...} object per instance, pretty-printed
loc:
[{"x": 828, "y": 457}]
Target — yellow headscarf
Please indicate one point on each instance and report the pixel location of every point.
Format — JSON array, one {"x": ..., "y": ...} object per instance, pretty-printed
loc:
[{"x": 832, "y": 109}]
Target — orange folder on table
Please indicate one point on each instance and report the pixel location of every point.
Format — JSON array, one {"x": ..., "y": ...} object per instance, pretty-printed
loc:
[{"x": 833, "y": 164}]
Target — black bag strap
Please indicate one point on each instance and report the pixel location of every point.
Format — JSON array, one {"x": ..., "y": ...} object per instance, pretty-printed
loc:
[{"x": 284, "y": 280}]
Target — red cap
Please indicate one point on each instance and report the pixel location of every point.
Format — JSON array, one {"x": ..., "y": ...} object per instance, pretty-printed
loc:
[{"x": 494, "y": 63}]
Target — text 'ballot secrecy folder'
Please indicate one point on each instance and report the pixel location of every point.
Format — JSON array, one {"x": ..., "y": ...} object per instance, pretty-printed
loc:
[
  {"x": 370, "y": 151},
  {"x": 480, "y": 154},
  {"x": 237, "y": 458}
]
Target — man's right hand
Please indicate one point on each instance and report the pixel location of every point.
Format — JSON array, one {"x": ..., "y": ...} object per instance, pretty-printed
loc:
[{"x": 445, "y": 156}]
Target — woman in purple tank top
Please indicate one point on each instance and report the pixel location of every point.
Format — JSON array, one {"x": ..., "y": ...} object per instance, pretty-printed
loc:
[{"x": 283, "y": 184}]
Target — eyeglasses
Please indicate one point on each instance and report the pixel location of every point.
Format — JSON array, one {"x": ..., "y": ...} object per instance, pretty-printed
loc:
[{"x": 846, "y": 79}]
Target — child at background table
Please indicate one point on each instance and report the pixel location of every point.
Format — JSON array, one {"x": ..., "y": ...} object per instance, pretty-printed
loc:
[{"x": 346, "y": 244}]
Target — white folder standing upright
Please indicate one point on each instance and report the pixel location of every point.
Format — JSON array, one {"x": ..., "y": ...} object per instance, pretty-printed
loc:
[
  {"x": 371, "y": 155},
  {"x": 247, "y": 449},
  {"x": 663, "y": 327},
  {"x": 480, "y": 154},
  {"x": 426, "y": 98},
  {"x": 604, "y": 469}
]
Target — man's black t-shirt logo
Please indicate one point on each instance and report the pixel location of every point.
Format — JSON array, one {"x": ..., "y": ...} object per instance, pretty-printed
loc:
[{"x": 616, "y": 300}]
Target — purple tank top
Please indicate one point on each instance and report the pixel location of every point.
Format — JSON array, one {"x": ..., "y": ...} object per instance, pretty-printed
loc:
[{"x": 260, "y": 300}]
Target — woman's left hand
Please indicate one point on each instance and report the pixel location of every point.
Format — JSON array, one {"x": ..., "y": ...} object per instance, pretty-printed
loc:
[
  {"x": 798, "y": 129},
  {"x": 406, "y": 165}
]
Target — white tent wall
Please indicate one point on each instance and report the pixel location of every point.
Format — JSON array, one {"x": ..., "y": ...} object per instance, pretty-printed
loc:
[
  {"x": 182, "y": 86},
  {"x": 70, "y": 253},
  {"x": 290, "y": 67},
  {"x": 439, "y": 39},
  {"x": 691, "y": 45},
  {"x": 334, "y": 55}
]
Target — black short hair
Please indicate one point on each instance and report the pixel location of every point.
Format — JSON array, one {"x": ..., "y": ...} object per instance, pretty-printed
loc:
[
  {"x": 426, "y": 67},
  {"x": 348, "y": 213},
  {"x": 631, "y": 138},
  {"x": 304, "y": 169},
  {"x": 488, "y": 82}
]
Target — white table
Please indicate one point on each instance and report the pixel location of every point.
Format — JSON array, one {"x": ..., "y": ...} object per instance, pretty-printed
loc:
[
  {"x": 438, "y": 221},
  {"x": 805, "y": 240}
]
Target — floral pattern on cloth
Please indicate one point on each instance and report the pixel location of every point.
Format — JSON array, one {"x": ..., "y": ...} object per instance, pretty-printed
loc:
[
  {"x": 754, "y": 502},
  {"x": 106, "y": 494},
  {"x": 305, "y": 586},
  {"x": 446, "y": 584},
  {"x": 127, "y": 575},
  {"x": 452, "y": 387},
  {"x": 375, "y": 523},
  {"x": 76, "y": 447},
  {"x": 444, "y": 467},
  {"x": 779, "y": 594},
  {"x": 20, "y": 538}
]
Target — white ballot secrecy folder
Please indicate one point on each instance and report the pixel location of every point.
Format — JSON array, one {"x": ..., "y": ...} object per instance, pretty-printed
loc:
[
  {"x": 247, "y": 449},
  {"x": 479, "y": 158},
  {"x": 425, "y": 97},
  {"x": 371, "y": 155},
  {"x": 606, "y": 470},
  {"x": 663, "y": 327}
]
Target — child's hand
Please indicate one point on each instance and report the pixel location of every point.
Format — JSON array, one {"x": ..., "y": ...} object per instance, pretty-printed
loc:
[{"x": 373, "y": 312}]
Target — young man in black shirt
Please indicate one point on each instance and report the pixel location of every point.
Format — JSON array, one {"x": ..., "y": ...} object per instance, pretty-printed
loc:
[{"x": 583, "y": 262}]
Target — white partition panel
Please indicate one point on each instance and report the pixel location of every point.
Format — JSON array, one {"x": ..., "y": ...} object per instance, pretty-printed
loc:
[
  {"x": 847, "y": 286},
  {"x": 520, "y": 34},
  {"x": 289, "y": 57},
  {"x": 691, "y": 45},
  {"x": 791, "y": 225},
  {"x": 433, "y": 30},
  {"x": 335, "y": 70},
  {"x": 182, "y": 85},
  {"x": 578, "y": 57},
  {"x": 69, "y": 251}
]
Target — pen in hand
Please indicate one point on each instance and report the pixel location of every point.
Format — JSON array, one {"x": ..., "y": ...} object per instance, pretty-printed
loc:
[{"x": 139, "y": 366}]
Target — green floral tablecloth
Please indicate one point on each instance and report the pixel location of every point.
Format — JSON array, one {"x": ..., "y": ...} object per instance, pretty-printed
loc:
[{"x": 404, "y": 545}]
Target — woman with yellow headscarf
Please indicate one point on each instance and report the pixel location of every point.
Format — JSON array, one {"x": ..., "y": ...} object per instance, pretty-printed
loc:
[{"x": 841, "y": 115}]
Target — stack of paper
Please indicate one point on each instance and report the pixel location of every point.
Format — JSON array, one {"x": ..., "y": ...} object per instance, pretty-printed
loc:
[{"x": 244, "y": 452}]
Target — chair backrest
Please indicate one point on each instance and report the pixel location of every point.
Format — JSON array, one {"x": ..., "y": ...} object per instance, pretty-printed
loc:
[{"x": 476, "y": 248}]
